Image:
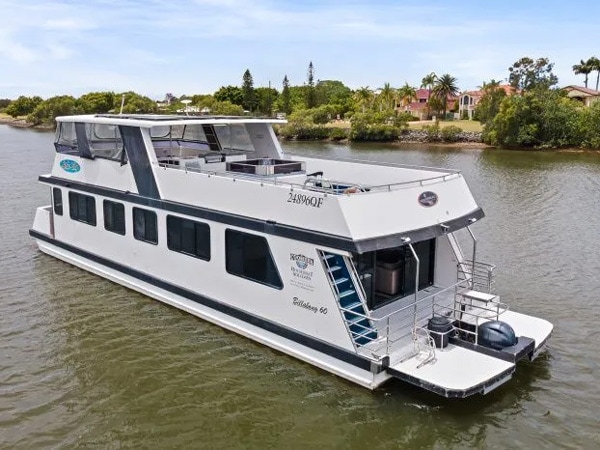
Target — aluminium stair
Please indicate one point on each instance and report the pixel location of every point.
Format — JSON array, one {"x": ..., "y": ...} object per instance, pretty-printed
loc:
[{"x": 353, "y": 310}]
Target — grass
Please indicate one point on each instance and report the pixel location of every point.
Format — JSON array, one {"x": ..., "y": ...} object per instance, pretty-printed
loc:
[{"x": 466, "y": 125}]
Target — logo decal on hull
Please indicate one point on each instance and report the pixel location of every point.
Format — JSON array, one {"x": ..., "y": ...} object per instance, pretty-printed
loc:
[
  {"x": 68, "y": 165},
  {"x": 302, "y": 261},
  {"x": 428, "y": 199}
]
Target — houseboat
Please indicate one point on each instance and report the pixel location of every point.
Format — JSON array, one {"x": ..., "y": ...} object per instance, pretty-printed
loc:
[{"x": 351, "y": 266}]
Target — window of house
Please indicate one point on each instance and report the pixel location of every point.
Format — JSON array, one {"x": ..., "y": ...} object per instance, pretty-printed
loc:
[
  {"x": 248, "y": 256},
  {"x": 189, "y": 237},
  {"x": 145, "y": 226},
  {"x": 57, "y": 200},
  {"x": 114, "y": 217},
  {"x": 82, "y": 208}
]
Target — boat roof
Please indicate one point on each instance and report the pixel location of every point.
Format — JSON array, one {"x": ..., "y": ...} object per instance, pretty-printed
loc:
[{"x": 152, "y": 120}]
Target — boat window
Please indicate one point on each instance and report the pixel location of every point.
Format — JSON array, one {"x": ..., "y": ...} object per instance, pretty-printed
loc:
[
  {"x": 105, "y": 141},
  {"x": 82, "y": 208},
  {"x": 65, "y": 140},
  {"x": 57, "y": 200},
  {"x": 248, "y": 256},
  {"x": 114, "y": 217},
  {"x": 189, "y": 237},
  {"x": 234, "y": 137},
  {"x": 144, "y": 225}
]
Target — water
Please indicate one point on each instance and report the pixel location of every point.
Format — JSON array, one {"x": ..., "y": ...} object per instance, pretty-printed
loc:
[{"x": 84, "y": 362}]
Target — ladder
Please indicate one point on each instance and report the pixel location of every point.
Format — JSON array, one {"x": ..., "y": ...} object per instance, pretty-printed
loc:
[
  {"x": 353, "y": 310},
  {"x": 211, "y": 137}
]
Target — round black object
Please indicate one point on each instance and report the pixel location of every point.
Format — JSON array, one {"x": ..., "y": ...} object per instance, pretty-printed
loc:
[
  {"x": 439, "y": 328},
  {"x": 496, "y": 335}
]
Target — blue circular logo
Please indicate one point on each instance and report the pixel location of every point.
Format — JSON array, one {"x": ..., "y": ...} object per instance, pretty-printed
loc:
[
  {"x": 428, "y": 199},
  {"x": 68, "y": 165}
]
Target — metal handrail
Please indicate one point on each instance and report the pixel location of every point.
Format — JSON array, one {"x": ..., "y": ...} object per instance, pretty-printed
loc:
[{"x": 279, "y": 180}]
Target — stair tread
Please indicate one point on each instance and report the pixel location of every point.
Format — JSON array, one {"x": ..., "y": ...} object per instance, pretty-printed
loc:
[
  {"x": 347, "y": 293},
  {"x": 362, "y": 333},
  {"x": 334, "y": 268},
  {"x": 339, "y": 280},
  {"x": 353, "y": 305}
]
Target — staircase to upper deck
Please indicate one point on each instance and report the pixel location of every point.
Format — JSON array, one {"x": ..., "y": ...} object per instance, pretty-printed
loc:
[{"x": 350, "y": 301}]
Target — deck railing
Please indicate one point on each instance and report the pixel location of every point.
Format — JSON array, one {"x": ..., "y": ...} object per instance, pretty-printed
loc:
[{"x": 328, "y": 186}]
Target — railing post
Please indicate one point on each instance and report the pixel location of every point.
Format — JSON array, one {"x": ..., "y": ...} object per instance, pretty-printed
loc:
[
  {"x": 416, "y": 283},
  {"x": 474, "y": 257}
]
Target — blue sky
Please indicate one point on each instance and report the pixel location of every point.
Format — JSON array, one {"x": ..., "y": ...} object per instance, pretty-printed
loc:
[{"x": 194, "y": 46}]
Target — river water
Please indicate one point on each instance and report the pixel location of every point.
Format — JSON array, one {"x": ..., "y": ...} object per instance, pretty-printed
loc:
[{"x": 85, "y": 362}]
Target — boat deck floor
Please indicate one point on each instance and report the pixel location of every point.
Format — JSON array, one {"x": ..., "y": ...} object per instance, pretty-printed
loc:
[{"x": 455, "y": 372}]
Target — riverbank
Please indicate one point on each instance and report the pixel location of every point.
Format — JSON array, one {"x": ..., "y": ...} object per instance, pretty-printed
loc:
[{"x": 21, "y": 122}]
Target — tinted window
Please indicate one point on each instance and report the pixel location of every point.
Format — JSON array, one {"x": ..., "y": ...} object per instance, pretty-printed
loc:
[
  {"x": 144, "y": 225},
  {"x": 248, "y": 256},
  {"x": 114, "y": 217},
  {"x": 58, "y": 203},
  {"x": 189, "y": 237},
  {"x": 82, "y": 208}
]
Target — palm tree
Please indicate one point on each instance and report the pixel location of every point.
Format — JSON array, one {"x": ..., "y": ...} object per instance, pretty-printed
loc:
[
  {"x": 594, "y": 64},
  {"x": 364, "y": 97},
  {"x": 387, "y": 96},
  {"x": 583, "y": 68},
  {"x": 406, "y": 94},
  {"x": 445, "y": 87},
  {"x": 428, "y": 82}
]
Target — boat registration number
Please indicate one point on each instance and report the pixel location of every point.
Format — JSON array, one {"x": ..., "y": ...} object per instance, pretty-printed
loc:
[{"x": 306, "y": 200}]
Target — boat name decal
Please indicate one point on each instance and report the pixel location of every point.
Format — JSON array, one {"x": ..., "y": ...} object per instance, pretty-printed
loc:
[
  {"x": 306, "y": 200},
  {"x": 306, "y": 305},
  {"x": 68, "y": 165},
  {"x": 302, "y": 261},
  {"x": 428, "y": 199}
]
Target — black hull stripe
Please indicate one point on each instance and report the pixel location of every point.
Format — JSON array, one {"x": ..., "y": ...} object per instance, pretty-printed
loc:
[
  {"x": 270, "y": 227},
  {"x": 287, "y": 333}
]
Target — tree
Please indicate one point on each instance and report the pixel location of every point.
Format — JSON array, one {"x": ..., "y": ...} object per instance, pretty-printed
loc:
[
  {"x": 249, "y": 96},
  {"x": 137, "y": 104},
  {"x": 265, "y": 97},
  {"x": 428, "y": 82},
  {"x": 363, "y": 98},
  {"x": 445, "y": 86},
  {"x": 527, "y": 74},
  {"x": 594, "y": 64},
  {"x": 48, "y": 110},
  {"x": 231, "y": 94},
  {"x": 311, "y": 100},
  {"x": 387, "y": 97},
  {"x": 583, "y": 68},
  {"x": 334, "y": 92},
  {"x": 23, "y": 106},
  {"x": 97, "y": 102},
  {"x": 489, "y": 104},
  {"x": 286, "y": 105},
  {"x": 4, "y": 102},
  {"x": 406, "y": 94}
]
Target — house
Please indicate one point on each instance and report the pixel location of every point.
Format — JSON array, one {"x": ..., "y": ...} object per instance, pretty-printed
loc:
[
  {"x": 467, "y": 101},
  {"x": 420, "y": 106},
  {"x": 582, "y": 94}
]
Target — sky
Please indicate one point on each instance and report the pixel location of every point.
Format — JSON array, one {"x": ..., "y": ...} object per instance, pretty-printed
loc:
[{"x": 58, "y": 47}]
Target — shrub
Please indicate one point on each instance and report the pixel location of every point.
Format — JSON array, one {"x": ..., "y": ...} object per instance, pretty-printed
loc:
[
  {"x": 374, "y": 132},
  {"x": 450, "y": 133},
  {"x": 338, "y": 134},
  {"x": 432, "y": 132}
]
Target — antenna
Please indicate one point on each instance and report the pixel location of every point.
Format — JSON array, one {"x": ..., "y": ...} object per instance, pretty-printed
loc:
[{"x": 187, "y": 107}]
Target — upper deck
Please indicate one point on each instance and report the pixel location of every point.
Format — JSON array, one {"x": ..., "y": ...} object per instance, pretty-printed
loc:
[{"x": 236, "y": 166}]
